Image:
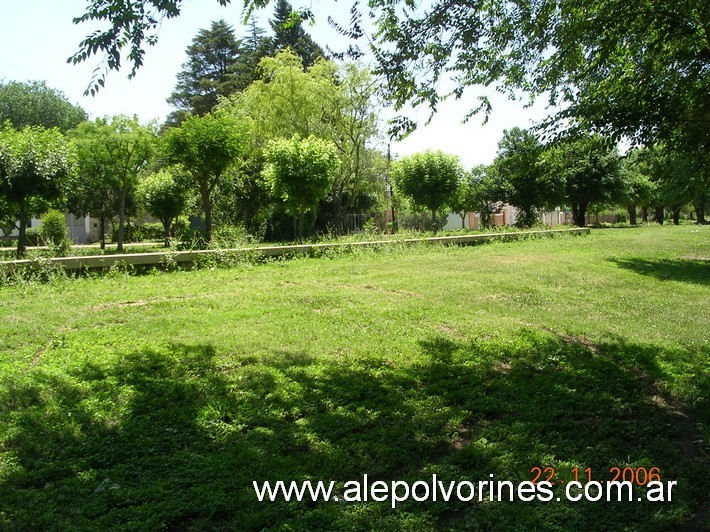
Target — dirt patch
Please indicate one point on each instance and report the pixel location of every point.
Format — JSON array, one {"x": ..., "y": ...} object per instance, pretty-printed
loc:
[
  {"x": 139, "y": 302},
  {"x": 391, "y": 291},
  {"x": 124, "y": 304}
]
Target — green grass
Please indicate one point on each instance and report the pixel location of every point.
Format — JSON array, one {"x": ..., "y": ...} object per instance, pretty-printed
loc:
[{"x": 153, "y": 402}]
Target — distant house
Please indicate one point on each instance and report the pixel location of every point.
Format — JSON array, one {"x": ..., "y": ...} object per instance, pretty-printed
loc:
[{"x": 82, "y": 230}]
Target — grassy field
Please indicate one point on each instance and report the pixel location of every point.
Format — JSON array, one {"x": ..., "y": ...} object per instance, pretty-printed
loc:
[{"x": 154, "y": 401}]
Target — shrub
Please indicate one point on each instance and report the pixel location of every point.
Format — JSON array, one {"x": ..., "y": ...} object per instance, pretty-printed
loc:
[
  {"x": 131, "y": 233},
  {"x": 419, "y": 221},
  {"x": 33, "y": 236},
  {"x": 231, "y": 236},
  {"x": 152, "y": 231},
  {"x": 55, "y": 233}
]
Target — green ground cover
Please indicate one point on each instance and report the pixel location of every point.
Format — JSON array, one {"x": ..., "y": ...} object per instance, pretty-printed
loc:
[{"x": 154, "y": 401}]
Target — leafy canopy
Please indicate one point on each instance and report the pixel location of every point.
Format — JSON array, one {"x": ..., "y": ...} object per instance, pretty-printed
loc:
[
  {"x": 520, "y": 175},
  {"x": 35, "y": 163},
  {"x": 431, "y": 179},
  {"x": 210, "y": 70},
  {"x": 633, "y": 69},
  {"x": 35, "y": 104},
  {"x": 205, "y": 147},
  {"x": 300, "y": 172}
]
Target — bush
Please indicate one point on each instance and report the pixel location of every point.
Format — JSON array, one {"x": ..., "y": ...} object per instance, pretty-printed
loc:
[
  {"x": 55, "y": 233},
  {"x": 131, "y": 232},
  {"x": 231, "y": 236},
  {"x": 33, "y": 237},
  {"x": 188, "y": 239},
  {"x": 419, "y": 221},
  {"x": 152, "y": 231}
]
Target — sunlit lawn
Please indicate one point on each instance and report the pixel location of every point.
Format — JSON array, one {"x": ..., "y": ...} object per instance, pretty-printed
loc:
[{"x": 155, "y": 401}]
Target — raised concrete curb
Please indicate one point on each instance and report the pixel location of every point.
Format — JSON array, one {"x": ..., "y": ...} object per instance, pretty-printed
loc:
[{"x": 188, "y": 257}]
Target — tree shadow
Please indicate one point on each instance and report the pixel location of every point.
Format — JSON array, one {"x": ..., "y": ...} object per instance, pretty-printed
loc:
[
  {"x": 684, "y": 270},
  {"x": 174, "y": 438}
]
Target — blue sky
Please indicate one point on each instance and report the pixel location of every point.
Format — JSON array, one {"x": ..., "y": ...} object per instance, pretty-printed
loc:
[{"x": 37, "y": 36}]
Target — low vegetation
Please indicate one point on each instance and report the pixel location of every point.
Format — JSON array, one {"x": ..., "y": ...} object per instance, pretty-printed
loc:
[{"x": 155, "y": 401}]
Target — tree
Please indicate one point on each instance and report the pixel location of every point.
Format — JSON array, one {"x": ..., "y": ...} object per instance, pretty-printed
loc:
[
  {"x": 590, "y": 168},
  {"x": 619, "y": 67},
  {"x": 300, "y": 172},
  {"x": 163, "y": 197},
  {"x": 35, "y": 104},
  {"x": 8, "y": 217},
  {"x": 289, "y": 33},
  {"x": 256, "y": 46},
  {"x": 94, "y": 191},
  {"x": 678, "y": 180},
  {"x": 639, "y": 189},
  {"x": 35, "y": 163},
  {"x": 287, "y": 100},
  {"x": 488, "y": 194},
  {"x": 112, "y": 153},
  {"x": 429, "y": 178},
  {"x": 330, "y": 102},
  {"x": 520, "y": 176},
  {"x": 475, "y": 193},
  {"x": 350, "y": 120},
  {"x": 241, "y": 197},
  {"x": 209, "y": 71},
  {"x": 206, "y": 146}
]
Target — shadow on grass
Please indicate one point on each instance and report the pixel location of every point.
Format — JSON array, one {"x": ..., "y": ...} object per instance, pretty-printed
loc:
[
  {"x": 173, "y": 439},
  {"x": 685, "y": 270}
]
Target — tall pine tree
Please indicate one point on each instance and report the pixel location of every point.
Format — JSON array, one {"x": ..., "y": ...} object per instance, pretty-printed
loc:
[
  {"x": 289, "y": 33},
  {"x": 209, "y": 71}
]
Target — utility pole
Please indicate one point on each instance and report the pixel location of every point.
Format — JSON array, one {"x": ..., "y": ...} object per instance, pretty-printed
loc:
[{"x": 389, "y": 185}]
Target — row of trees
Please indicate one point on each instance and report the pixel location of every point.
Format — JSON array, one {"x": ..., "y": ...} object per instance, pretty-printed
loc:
[
  {"x": 108, "y": 166},
  {"x": 294, "y": 144},
  {"x": 579, "y": 172},
  {"x": 295, "y": 105},
  {"x": 237, "y": 102}
]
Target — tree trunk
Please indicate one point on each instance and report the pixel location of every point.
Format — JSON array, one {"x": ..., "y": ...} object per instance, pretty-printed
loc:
[
  {"x": 579, "y": 214},
  {"x": 166, "y": 231},
  {"x": 207, "y": 208},
  {"x": 631, "y": 209},
  {"x": 301, "y": 218},
  {"x": 121, "y": 219},
  {"x": 485, "y": 218},
  {"x": 433, "y": 221},
  {"x": 644, "y": 214},
  {"x": 660, "y": 214},
  {"x": 700, "y": 214},
  {"x": 22, "y": 234},
  {"x": 102, "y": 228},
  {"x": 338, "y": 222},
  {"x": 527, "y": 217},
  {"x": 463, "y": 221},
  {"x": 676, "y": 216}
]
